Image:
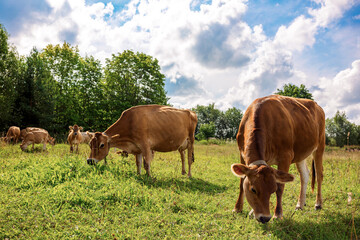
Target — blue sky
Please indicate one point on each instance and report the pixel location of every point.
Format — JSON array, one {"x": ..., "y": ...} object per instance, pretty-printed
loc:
[{"x": 226, "y": 52}]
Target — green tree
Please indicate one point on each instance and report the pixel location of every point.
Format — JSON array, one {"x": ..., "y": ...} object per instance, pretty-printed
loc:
[
  {"x": 337, "y": 129},
  {"x": 90, "y": 94},
  {"x": 292, "y": 90},
  {"x": 228, "y": 123},
  {"x": 35, "y": 88},
  {"x": 206, "y": 131},
  {"x": 132, "y": 79},
  {"x": 79, "y": 89},
  {"x": 9, "y": 73}
]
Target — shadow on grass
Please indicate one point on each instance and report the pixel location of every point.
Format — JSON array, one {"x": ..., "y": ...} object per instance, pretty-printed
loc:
[
  {"x": 181, "y": 184},
  {"x": 36, "y": 150},
  {"x": 335, "y": 226}
]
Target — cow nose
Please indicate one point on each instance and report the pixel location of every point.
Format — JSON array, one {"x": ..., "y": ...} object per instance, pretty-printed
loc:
[
  {"x": 75, "y": 134},
  {"x": 90, "y": 161},
  {"x": 263, "y": 219}
]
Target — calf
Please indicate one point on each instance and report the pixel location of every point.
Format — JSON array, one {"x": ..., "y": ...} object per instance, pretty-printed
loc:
[
  {"x": 75, "y": 137},
  {"x": 278, "y": 130},
  {"x": 37, "y": 137}
]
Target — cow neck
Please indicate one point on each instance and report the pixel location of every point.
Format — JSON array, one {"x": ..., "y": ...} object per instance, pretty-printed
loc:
[{"x": 258, "y": 163}]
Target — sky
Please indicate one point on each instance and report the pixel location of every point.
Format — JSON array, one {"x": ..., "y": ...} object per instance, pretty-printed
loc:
[{"x": 227, "y": 52}]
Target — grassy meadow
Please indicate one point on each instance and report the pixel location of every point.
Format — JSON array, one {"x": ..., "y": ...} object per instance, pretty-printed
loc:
[{"x": 56, "y": 195}]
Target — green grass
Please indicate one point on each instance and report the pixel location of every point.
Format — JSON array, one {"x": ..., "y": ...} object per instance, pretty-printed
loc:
[{"x": 56, "y": 195}]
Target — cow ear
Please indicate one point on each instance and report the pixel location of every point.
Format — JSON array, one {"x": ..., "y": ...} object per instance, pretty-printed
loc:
[
  {"x": 90, "y": 134},
  {"x": 283, "y": 177},
  {"x": 81, "y": 128},
  {"x": 113, "y": 137},
  {"x": 70, "y": 127},
  {"x": 239, "y": 170}
]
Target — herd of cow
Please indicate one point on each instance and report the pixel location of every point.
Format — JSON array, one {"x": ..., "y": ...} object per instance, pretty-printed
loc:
[
  {"x": 275, "y": 130},
  {"x": 35, "y": 135}
]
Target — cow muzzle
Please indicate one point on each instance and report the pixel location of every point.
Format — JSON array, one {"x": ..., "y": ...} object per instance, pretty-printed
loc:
[
  {"x": 91, "y": 161},
  {"x": 263, "y": 219}
]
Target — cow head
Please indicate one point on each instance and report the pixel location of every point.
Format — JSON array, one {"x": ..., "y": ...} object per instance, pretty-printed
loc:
[
  {"x": 100, "y": 146},
  {"x": 51, "y": 141},
  {"x": 259, "y": 183},
  {"x": 75, "y": 129}
]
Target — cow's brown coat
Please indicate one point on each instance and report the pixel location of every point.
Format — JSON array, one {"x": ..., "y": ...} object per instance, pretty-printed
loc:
[
  {"x": 36, "y": 137},
  {"x": 141, "y": 130},
  {"x": 281, "y": 131},
  {"x": 13, "y": 133},
  {"x": 75, "y": 137}
]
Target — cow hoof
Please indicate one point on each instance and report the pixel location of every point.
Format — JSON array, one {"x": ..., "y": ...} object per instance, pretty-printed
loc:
[
  {"x": 318, "y": 207},
  {"x": 235, "y": 210},
  {"x": 183, "y": 172}
]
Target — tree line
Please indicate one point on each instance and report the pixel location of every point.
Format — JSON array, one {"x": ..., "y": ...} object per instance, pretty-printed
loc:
[{"x": 56, "y": 87}]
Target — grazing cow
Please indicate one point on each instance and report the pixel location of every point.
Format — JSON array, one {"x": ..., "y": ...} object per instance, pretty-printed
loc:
[
  {"x": 37, "y": 137},
  {"x": 278, "y": 130},
  {"x": 13, "y": 133},
  {"x": 24, "y": 131},
  {"x": 75, "y": 137},
  {"x": 141, "y": 130}
]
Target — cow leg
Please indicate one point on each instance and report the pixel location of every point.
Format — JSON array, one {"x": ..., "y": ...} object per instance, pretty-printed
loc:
[
  {"x": 240, "y": 202},
  {"x": 138, "y": 162},
  {"x": 147, "y": 161},
  {"x": 71, "y": 148},
  {"x": 33, "y": 146},
  {"x": 283, "y": 166},
  {"x": 44, "y": 146},
  {"x": 304, "y": 176},
  {"x": 318, "y": 155},
  {"x": 191, "y": 158},
  {"x": 182, "y": 155}
]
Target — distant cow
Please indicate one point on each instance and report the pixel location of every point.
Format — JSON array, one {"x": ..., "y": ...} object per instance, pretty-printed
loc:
[
  {"x": 86, "y": 136},
  {"x": 141, "y": 130},
  {"x": 277, "y": 130},
  {"x": 24, "y": 131},
  {"x": 37, "y": 137},
  {"x": 75, "y": 137},
  {"x": 12, "y": 134}
]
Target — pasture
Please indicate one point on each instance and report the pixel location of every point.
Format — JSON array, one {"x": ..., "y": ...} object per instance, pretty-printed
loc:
[{"x": 56, "y": 195}]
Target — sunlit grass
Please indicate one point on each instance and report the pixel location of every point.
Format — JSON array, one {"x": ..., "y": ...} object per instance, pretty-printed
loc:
[{"x": 56, "y": 195}]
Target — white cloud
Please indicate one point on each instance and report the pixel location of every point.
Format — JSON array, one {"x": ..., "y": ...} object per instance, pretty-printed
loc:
[
  {"x": 341, "y": 93},
  {"x": 330, "y": 10},
  {"x": 207, "y": 51}
]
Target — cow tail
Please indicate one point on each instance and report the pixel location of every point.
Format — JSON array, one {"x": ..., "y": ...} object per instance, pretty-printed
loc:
[
  {"x": 193, "y": 157},
  {"x": 313, "y": 175}
]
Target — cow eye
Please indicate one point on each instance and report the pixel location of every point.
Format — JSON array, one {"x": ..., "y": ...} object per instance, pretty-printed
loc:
[
  {"x": 253, "y": 190},
  {"x": 102, "y": 145}
]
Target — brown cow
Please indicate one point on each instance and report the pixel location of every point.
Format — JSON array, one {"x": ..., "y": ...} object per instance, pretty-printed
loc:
[
  {"x": 12, "y": 133},
  {"x": 37, "y": 137},
  {"x": 24, "y": 131},
  {"x": 277, "y": 130},
  {"x": 75, "y": 137},
  {"x": 141, "y": 130}
]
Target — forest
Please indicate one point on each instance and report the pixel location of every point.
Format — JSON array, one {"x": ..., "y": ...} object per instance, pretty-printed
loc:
[{"x": 56, "y": 87}]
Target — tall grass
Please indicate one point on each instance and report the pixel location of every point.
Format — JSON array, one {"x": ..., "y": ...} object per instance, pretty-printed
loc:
[{"x": 56, "y": 195}]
